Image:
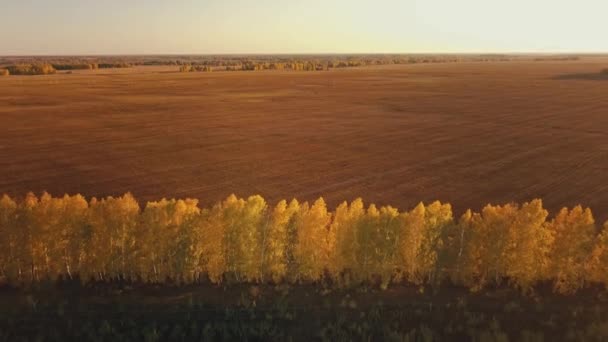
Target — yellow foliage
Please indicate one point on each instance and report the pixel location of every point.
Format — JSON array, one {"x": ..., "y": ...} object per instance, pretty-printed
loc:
[
  {"x": 461, "y": 259},
  {"x": 420, "y": 240},
  {"x": 597, "y": 267},
  {"x": 312, "y": 250},
  {"x": 9, "y": 243},
  {"x": 275, "y": 240},
  {"x": 112, "y": 245},
  {"x": 529, "y": 246},
  {"x": 211, "y": 245},
  {"x": 166, "y": 245},
  {"x": 242, "y": 220},
  {"x": 31, "y": 69},
  {"x": 241, "y": 240},
  {"x": 574, "y": 233},
  {"x": 343, "y": 237}
]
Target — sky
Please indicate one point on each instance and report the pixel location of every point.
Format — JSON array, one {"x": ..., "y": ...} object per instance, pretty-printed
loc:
[{"x": 81, "y": 27}]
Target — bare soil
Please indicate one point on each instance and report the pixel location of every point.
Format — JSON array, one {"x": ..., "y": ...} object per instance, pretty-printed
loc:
[{"x": 465, "y": 133}]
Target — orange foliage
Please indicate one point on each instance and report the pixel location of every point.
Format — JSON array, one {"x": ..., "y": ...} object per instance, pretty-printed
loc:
[{"x": 242, "y": 240}]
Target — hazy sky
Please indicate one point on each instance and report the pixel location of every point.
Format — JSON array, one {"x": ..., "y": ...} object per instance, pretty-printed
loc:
[{"x": 310, "y": 26}]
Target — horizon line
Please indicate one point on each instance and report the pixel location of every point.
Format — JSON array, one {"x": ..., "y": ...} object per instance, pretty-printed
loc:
[{"x": 513, "y": 53}]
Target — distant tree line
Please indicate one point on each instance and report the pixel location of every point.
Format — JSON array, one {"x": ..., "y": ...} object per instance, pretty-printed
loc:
[
  {"x": 556, "y": 58},
  {"x": 47, "y": 68},
  {"x": 31, "y": 69},
  {"x": 52, "y": 68},
  {"x": 115, "y": 65},
  {"x": 76, "y": 66},
  {"x": 91, "y": 66},
  {"x": 300, "y": 65},
  {"x": 194, "y": 63},
  {"x": 195, "y": 68},
  {"x": 246, "y": 240}
]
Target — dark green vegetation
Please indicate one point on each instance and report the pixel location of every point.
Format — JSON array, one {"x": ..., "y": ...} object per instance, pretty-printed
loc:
[{"x": 119, "y": 312}]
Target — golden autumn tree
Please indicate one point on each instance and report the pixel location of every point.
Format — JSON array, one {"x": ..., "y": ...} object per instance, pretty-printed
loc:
[
  {"x": 275, "y": 240},
  {"x": 336, "y": 229},
  {"x": 152, "y": 241},
  {"x": 254, "y": 220},
  {"x": 489, "y": 244},
  {"x": 458, "y": 260},
  {"x": 186, "y": 215},
  {"x": 365, "y": 260},
  {"x": 312, "y": 249},
  {"x": 46, "y": 215},
  {"x": 385, "y": 238},
  {"x": 291, "y": 273},
  {"x": 232, "y": 242},
  {"x": 27, "y": 239},
  {"x": 420, "y": 240},
  {"x": 114, "y": 222},
  {"x": 166, "y": 239},
  {"x": 377, "y": 233},
  {"x": 90, "y": 263},
  {"x": 410, "y": 242},
  {"x": 242, "y": 220},
  {"x": 363, "y": 243},
  {"x": 74, "y": 233},
  {"x": 9, "y": 248},
  {"x": 438, "y": 216},
  {"x": 574, "y": 232},
  {"x": 529, "y": 244},
  {"x": 597, "y": 268},
  {"x": 99, "y": 244},
  {"x": 241, "y": 240},
  {"x": 343, "y": 238},
  {"x": 507, "y": 242},
  {"x": 60, "y": 225},
  {"x": 209, "y": 246},
  {"x": 70, "y": 234}
]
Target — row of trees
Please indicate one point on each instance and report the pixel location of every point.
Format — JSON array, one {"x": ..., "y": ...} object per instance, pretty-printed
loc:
[
  {"x": 31, "y": 69},
  {"x": 307, "y": 64},
  {"x": 76, "y": 66},
  {"x": 112, "y": 65},
  {"x": 256, "y": 66},
  {"x": 195, "y": 68},
  {"x": 246, "y": 240},
  {"x": 48, "y": 68},
  {"x": 91, "y": 66},
  {"x": 30, "y": 66},
  {"x": 250, "y": 62}
]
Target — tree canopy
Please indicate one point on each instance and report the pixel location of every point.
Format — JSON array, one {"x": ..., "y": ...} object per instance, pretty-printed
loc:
[{"x": 247, "y": 240}]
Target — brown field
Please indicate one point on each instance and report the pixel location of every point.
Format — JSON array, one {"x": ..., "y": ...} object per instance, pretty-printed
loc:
[{"x": 465, "y": 133}]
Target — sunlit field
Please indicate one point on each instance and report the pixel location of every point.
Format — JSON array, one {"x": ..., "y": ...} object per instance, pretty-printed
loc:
[
  {"x": 465, "y": 133},
  {"x": 389, "y": 170},
  {"x": 149, "y": 244}
]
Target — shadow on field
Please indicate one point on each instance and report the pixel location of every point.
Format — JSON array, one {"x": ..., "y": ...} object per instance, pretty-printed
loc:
[{"x": 600, "y": 76}]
